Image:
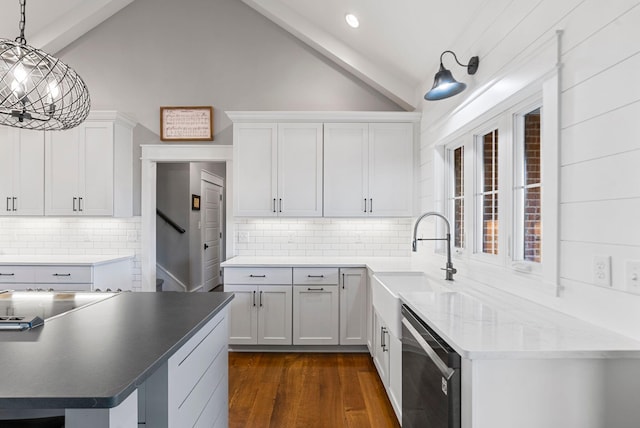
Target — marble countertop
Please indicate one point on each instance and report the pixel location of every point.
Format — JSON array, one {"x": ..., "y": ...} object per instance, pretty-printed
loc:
[
  {"x": 481, "y": 322},
  {"x": 58, "y": 260}
]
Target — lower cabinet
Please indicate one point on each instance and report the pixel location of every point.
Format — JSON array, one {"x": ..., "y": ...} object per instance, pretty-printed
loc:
[
  {"x": 315, "y": 314},
  {"x": 353, "y": 306},
  {"x": 260, "y": 314},
  {"x": 387, "y": 357}
]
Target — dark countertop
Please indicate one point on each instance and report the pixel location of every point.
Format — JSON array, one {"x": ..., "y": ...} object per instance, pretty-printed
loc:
[{"x": 96, "y": 356}]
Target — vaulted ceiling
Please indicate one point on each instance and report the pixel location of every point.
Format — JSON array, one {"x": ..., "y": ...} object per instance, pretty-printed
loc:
[{"x": 395, "y": 49}]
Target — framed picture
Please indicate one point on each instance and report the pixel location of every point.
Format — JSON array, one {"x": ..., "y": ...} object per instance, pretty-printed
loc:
[
  {"x": 195, "y": 202},
  {"x": 186, "y": 123}
]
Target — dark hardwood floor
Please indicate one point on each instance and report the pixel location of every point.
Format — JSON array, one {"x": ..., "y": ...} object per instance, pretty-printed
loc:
[{"x": 306, "y": 390}]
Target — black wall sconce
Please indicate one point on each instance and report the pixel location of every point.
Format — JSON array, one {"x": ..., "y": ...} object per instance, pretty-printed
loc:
[{"x": 444, "y": 85}]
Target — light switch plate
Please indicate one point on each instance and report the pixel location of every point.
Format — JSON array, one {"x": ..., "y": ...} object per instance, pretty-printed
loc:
[
  {"x": 632, "y": 276},
  {"x": 602, "y": 271},
  {"x": 243, "y": 237}
]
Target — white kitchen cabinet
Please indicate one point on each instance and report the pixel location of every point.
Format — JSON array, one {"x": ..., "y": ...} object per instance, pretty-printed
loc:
[
  {"x": 21, "y": 171},
  {"x": 387, "y": 358},
  {"x": 368, "y": 169},
  {"x": 315, "y": 315},
  {"x": 89, "y": 169},
  {"x": 381, "y": 349},
  {"x": 243, "y": 314},
  {"x": 278, "y": 169},
  {"x": 353, "y": 306}
]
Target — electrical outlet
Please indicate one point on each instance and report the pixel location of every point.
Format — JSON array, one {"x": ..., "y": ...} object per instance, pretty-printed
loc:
[
  {"x": 243, "y": 237},
  {"x": 357, "y": 238},
  {"x": 602, "y": 271},
  {"x": 132, "y": 236},
  {"x": 632, "y": 276},
  {"x": 291, "y": 237}
]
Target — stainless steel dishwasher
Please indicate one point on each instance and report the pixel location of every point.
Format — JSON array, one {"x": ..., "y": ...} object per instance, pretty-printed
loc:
[{"x": 430, "y": 377}]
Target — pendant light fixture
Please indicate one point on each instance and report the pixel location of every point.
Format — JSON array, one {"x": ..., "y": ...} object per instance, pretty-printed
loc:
[
  {"x": 37, "y": 90},
  {"x": 444, "y": 85}
]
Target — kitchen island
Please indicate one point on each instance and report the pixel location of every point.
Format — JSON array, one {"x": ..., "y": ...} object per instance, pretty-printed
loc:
[{"x": 154, "y": 358}]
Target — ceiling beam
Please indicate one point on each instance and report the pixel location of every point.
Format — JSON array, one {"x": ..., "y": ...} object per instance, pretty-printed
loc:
[
  {"x": 355, "y": 63},
  {"x": 75, "y": 23}
]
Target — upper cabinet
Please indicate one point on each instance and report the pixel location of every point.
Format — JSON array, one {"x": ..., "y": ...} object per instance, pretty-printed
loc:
[
  {"x": 368, "y": 169},
  {"x": 89, "y": 169},
  {"x": 278, "y": 169},
  {"x": 332, "y": 164},
  {"x": 21, "y": 171}
]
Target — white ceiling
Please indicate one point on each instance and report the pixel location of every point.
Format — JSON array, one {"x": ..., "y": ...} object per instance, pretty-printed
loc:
[{"x": 396, "y": 49}]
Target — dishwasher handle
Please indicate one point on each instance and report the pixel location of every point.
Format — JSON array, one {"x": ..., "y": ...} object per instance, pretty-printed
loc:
[{"x": 447, "y": 372}]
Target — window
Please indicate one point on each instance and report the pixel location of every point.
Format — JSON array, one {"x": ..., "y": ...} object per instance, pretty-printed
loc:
[
  {"x": 456, "y": 194},
  {"x": 487, "y": 193},
  {"x": 528, "y": 188}
]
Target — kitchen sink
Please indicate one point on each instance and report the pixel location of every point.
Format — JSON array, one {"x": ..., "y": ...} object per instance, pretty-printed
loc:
[{"x": 386, "y": 300}]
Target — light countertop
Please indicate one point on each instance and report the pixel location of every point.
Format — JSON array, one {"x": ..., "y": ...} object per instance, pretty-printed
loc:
[
  {"x": 481, "y": 322},
  {"x": 58, "y": 260}
]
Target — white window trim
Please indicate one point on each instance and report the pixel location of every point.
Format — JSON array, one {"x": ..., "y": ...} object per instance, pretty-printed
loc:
[{"x": 449, "y": 198}]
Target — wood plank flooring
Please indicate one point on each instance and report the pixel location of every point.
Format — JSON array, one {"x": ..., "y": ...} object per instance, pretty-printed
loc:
[{"x": 291, "y": 390}]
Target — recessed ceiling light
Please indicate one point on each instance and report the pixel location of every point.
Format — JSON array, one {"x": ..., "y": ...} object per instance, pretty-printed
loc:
[{"x": 352, "y": 20}]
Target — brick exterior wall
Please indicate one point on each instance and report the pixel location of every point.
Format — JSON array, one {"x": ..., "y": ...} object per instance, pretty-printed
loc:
[
  {"x": 490, "y": 200},
  {"x": 532, "y": 196}
]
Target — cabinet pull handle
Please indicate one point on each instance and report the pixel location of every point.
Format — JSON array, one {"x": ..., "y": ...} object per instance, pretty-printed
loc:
[
  {"x": 80, "y": 204},
  {"x": 61, "y": 274},
  {"x": 274, "y": 204},
  {"x": 383, "y": 343},
  {"x": 315, "y": 276},
  {"x": 315, "y": 289},
  {"x": 7, "y": 274},
  {"x": 365, "y": 204},
  {"x": 74, "y": 204},
  {"x": 280, "y": 202},
  {"x": 343, "y": 281},
  {"x": 254, "y": 298},
  {"x": 371, "y": 205},
  {"x": 8, "y": 200},
  {"x": 257, "y": 276},
  {"x": 260, "y": 298},
  {"x": 14, "y": 204}
]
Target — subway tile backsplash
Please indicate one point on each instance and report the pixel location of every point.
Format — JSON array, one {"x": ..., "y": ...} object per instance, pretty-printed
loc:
[
  {"x": 70, "y": 235},
  {"x": 322, "y": 237}
]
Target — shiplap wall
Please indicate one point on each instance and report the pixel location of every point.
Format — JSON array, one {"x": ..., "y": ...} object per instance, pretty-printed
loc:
[{"x": 599, "y": 137}]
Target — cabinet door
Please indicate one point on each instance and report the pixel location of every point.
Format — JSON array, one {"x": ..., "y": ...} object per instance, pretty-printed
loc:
[
  {"x": 255, "y": 174},
  {"x": 96, "y": 169},
  {"x": 274, "y": 315},
  {"x": 315, "y": 314},
  {"x": 28, "y": 185},
  {"x": 62, "y": 157},
  {"x": 7, "y": 166},
  {"x": 353, "y": 306},
  {"x": 395, "y": 373},
  {"x": 243, "y": 310},
  {"x": 346, "y": 169},
  {"x": 300, "y": 170},
  {"x": 381, "y": 349},
  {"x": 390, "y": 169}
]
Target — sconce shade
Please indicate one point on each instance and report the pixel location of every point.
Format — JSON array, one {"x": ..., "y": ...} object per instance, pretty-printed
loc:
[{"x": 444, "y": 86}]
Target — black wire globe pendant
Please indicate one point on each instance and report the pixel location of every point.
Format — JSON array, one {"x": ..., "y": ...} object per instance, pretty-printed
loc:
[{"x": 37, "y": 90}]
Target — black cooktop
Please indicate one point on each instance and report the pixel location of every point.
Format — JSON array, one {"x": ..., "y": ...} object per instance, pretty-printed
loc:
[{"x": 20, "y": 310}]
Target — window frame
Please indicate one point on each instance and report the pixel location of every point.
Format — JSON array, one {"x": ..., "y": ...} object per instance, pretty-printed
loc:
[{"x": 450, "y": 198}]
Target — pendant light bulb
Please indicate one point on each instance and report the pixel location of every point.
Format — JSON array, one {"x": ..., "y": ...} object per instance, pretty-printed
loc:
[{"x": 20, "y": 73}]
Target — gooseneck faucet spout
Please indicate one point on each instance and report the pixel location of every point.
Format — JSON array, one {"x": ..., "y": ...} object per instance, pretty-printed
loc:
[{"x": 449, "y": 269}]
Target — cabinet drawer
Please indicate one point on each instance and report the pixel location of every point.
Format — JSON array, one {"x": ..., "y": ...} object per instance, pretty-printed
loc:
[
  {"x": 305, "y": 276},
  {"x": 13, "y": 274},
  {"x": 275, "y": 276},
  {"x": 63, "y": 274}
]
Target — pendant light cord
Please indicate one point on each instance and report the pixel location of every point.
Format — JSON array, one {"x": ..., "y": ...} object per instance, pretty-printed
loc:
[{"x": 23, "y": 18}]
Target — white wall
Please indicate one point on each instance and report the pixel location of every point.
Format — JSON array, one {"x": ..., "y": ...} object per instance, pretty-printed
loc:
[
  {"x": 323, "y": 237},
  {"x": 600, "y": 137}
]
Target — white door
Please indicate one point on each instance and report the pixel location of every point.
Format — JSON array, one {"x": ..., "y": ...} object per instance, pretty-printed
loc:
[
  {"x": 96, "y": 169},
  {"x": 300, "y": 169},
  {"x": 62, "y": 157},
  {"x": 254, "y": 167},
  {"x": 346, "y": 169},
  {"x": 315, "y": 314},
  {"x": 29, "y": 175},
  {"x": 7, "y": 166},
  {"x": 274, "y": 314},
  {"x": 211, "y": 215},
  {"x": 353, "y": 306},
  {"x": 243, "y": 314},
  {"x": 390, "y": 169}
]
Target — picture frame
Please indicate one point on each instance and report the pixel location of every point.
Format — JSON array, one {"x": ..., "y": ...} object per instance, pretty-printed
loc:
[
  {"x": 186, "y": 123},
  {"x": 195, "y": 202}
]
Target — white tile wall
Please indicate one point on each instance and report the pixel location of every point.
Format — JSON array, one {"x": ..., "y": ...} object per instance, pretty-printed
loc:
[
  {"x": 323, "y": 237},
  {"x": 69, "y": 235}
]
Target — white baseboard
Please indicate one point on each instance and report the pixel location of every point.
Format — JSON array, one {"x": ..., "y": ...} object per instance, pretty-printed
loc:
[{"x": 171, "y": 283}]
